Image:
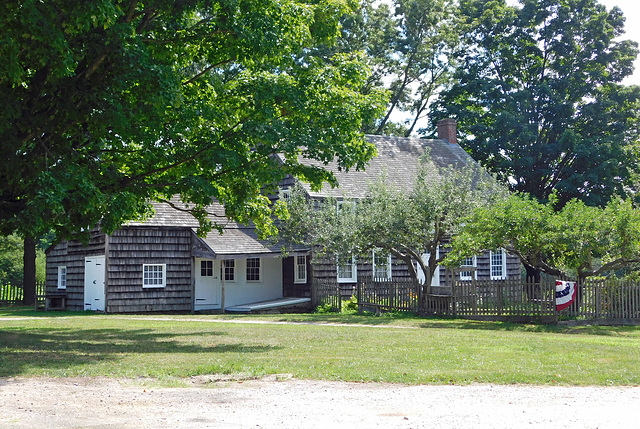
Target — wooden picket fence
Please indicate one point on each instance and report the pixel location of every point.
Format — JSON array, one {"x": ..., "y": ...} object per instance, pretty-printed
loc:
[
  {"x": 512, "y": 300},
  {"x": 326, "y": 293},
  {"x": 608, "y": 300},
  {"x": 12, "y": 293},
  {"x": 386, "y": 295}
]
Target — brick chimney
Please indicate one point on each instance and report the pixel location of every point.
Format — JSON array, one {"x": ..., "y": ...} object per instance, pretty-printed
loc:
[{"x": 447, "y": 129}]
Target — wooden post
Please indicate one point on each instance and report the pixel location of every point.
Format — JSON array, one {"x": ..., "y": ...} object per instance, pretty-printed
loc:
[
  {"x": 421, "y": 305},
  {"x": 106, "y": 274},
  {"x": 359, "y": 296},
  {"x": 499, "y": 296},
  {"x": 314, "y": 293},
  {"x": 222, "y": 267}
]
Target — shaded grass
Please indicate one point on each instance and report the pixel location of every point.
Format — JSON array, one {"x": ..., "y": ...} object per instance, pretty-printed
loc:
[{"x": 391, "y": 349}]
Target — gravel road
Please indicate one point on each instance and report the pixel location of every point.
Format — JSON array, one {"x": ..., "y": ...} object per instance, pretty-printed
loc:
[{"x": 273, "y": 403}]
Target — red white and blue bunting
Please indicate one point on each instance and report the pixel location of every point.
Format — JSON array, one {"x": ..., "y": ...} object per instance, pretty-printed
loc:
[{"x": 565, "y": 294}]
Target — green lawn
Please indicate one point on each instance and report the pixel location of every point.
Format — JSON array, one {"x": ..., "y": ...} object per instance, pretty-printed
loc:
[{"x": 402, "y": 350}]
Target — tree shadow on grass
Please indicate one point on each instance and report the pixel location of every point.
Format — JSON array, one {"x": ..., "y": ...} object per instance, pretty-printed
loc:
[{"x": 57, "y": 349}]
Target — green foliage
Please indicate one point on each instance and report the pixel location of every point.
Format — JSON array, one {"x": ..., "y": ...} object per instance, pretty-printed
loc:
[
  {"x": 325, "y": 309},
  {"x": 408, "y": 45},
  {"x": 106, "y": 105},
  {"x": 580, "y": 239},
  {"x": 403, "y": 222},
  {"x": 538, "y": 100},
  {"x": 350, "y": 306},
  {"x": 11, "y": 264}
]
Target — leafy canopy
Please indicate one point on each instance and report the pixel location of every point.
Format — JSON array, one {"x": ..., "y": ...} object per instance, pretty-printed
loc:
[
  {"x": 408, "y": 46},
  {"x": 406, "y": 223},
  {"x": 576, "y": 240},
  {"x": 108, "y": 104},
  {"x": 538, "y": 100}
]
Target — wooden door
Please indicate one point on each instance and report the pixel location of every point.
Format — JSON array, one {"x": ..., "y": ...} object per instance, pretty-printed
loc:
[
  {"x": 94, "y": 293},
  {"x": 208, "y": 286}
]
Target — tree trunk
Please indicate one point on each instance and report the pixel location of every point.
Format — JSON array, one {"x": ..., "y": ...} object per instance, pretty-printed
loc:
[{"x": 29, "y": 271}]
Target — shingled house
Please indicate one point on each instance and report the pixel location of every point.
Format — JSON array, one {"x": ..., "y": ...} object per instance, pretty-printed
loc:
[
  {"x": 161, "y": 265},
  {"x": 398, "y": 160}
]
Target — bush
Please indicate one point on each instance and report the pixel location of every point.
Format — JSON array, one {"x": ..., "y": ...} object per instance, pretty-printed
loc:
[{"x": 350, "y": 306}]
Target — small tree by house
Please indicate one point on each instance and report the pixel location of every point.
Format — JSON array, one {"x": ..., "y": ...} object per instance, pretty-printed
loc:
[
  {"x": 406, "y": 223},
  {"x": 577, "y": 240}
]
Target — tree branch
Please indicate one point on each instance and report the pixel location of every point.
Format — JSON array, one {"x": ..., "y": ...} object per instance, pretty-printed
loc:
[{"x": 212, "y": 66}]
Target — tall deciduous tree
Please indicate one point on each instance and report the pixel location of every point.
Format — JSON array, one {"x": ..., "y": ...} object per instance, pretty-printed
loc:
[
  {"x": 408, "y": 45},
  {"x": 538, "y": 100},
  {"x": 107, "y": 104}
]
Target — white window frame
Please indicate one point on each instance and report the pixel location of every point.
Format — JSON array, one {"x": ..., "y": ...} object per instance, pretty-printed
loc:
[
  {"x": 386, "y": 265},
  {"x": 284, "y": 194},
  {"x": 354, "y": 271},
  {"x": 246, "y": 271},
  {"x": 231, "y": 270},
  {"x": 503, "y": 265},
  {"x": 150, "y": 282},
  {"x": 62, "y": 277},
  {"x": 471, "y": 274},
  {"x": 300, "y": 269},
  {"x": 203, "y": 266}
]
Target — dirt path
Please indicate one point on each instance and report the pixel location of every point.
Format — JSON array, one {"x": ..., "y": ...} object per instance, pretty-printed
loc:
[{"x": 109, "y": 403}]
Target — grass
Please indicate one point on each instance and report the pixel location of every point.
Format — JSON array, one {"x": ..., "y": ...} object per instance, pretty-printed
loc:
[{"x": 391, "y": 349}]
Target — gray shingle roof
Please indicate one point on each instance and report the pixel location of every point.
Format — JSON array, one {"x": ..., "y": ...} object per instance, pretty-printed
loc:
[
  {"x": 397, "y": 159},
  {"x": 236, "y": 241},
  {"x": 241, "y": 242}
]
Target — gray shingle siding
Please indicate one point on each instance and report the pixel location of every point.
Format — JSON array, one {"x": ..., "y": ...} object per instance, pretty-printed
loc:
[{"x": 129, "y": 249}]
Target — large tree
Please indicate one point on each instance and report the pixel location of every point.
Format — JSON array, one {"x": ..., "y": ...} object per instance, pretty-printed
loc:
[
  {"x": 538, "y": 97},
  {"x": 108, "y": 104},
  {"x": 408, "y": 45}
]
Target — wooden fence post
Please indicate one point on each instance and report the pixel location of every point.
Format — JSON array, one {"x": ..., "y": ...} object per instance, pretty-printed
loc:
[{"x": 314, "y": 293}]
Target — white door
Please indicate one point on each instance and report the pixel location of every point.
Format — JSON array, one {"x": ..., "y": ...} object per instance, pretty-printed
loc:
[
  {"x": 435, "y": 281},
  {"x": 94, "y": 272},
  {"x": 208, "y": 285}
]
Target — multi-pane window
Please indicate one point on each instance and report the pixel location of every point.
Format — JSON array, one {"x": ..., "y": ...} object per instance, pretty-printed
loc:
[
  {"x": 153, "y": 275},
  {"x": 62, "y": 277},
  {"x": 230, "y": 270},
  {"x": 285, "y": 194},
  {"x": 381, "y": 265},
  {"x": 206, "y": 268},
  {"x": 300, "y": 269},
  {"x": 471, "y": 274},
  {"x": 253, "y": 269},
  {"x": 498, "y": 264},
  {"x": 346, "y": 267}
]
